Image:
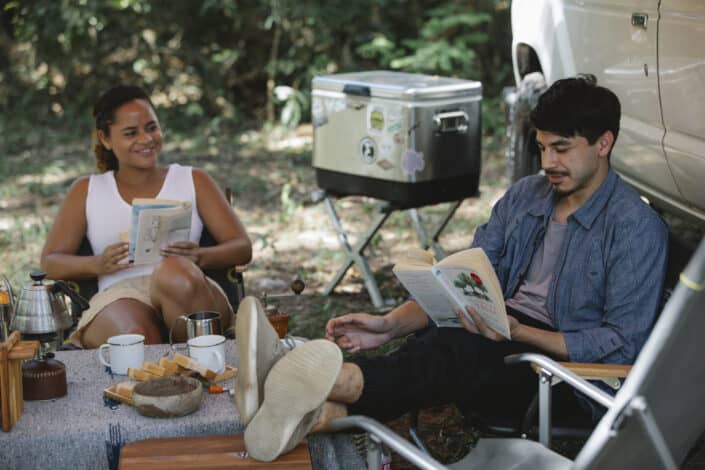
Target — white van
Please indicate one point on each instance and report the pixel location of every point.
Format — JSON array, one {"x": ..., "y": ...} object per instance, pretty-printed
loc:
[{"x": 651, "y": 53}]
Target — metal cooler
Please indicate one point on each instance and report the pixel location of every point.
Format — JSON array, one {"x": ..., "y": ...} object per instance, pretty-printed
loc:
[{"x": 409, "y": 139}]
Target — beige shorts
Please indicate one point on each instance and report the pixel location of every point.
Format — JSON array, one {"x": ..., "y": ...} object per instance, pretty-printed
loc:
[{"x": 134, "y": 288}]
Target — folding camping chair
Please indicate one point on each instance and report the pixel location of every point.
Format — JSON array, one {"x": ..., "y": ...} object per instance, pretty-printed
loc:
[
  {"x": 565, "y": 423},
  {"x": 229, "y": 279},
  {"x": 652, "y": 422}
]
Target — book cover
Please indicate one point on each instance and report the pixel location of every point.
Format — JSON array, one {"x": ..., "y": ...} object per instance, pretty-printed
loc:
[{"x": 155, "y": 224}]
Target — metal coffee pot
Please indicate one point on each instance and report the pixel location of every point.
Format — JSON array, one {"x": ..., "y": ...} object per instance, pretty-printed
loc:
[{"x": 41, "y": 306}]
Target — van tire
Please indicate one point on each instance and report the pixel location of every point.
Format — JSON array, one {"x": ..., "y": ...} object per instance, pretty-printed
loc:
[{"x": 522, "y": 154}]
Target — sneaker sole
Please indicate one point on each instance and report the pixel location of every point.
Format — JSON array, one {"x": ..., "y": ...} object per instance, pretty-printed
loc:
[
  {"x": 297, "y": 385},
  {"x": 246, "y": 389}
]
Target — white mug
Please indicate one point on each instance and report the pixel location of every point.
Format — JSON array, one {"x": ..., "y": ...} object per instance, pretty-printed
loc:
[
  {"x": 209, "y": 351},
  {"x": 126, "y": 351}
]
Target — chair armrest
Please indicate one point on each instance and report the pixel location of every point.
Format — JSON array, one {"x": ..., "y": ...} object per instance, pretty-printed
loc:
[
  {"x": 385, "y": 435},
  {"x": 588, "y": 370},
  {"x": 569, "y": 377},
  {"x": 610, "y": 374}
]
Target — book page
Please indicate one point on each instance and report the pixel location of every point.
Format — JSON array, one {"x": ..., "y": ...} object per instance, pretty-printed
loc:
[
  {"x": 477, "y": 258},
  {"x": 155, "y": 224},
  {"x": 138, "y": 205},
  {"x": 416, "y": 257},
  {"x": 176, "y": 227},
  {"x": 468, "y": 286},
  {"x": 423, "y": 286}
]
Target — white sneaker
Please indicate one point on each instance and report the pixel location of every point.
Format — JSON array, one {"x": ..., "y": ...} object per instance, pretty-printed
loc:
[
  {"x": 294, "y": 393},
  {"x": 258, "y": 348}
]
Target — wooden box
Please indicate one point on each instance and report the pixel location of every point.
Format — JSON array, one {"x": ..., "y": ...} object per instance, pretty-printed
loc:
[{"x": 12, "y": 353}]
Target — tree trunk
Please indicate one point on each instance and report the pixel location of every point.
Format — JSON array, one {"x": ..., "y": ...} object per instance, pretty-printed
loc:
[{"x": 272, "y": 71}]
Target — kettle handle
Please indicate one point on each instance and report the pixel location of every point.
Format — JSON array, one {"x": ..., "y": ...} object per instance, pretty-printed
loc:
[
  {"x": 73, "y": 295},
  {"x": 171, "y": 330},
  {"x": 10, "y": 292}
]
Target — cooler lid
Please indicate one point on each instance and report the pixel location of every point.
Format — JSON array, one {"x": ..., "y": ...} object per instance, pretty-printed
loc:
[{"x": 398, "y": 85}]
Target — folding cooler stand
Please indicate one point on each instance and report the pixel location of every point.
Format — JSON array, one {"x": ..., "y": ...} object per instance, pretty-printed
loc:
[{"x": 355, "y": 254}]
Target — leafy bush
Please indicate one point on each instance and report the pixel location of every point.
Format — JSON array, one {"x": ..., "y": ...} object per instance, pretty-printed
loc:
[{"x": 226, "y": 58}]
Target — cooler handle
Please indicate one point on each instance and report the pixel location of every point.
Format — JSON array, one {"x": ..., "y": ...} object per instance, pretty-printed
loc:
[
  {"x": 451, "y": 121},
  {"x": 354, "y": 89}
]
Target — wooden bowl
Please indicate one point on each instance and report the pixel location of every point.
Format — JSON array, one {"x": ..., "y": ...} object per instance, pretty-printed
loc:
[{"x": 167, "y": 397}]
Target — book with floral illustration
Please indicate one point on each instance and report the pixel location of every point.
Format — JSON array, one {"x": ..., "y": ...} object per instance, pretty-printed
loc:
[{"x": 463, "y": 278}]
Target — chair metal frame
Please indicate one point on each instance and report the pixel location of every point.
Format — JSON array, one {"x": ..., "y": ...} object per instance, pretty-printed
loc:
[
  {"x": 680, "y": 252},
  {"x": 642, "y": 408}
]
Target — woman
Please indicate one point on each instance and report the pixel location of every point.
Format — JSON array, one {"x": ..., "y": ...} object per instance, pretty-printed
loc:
[{"x": 144, "y": 299}]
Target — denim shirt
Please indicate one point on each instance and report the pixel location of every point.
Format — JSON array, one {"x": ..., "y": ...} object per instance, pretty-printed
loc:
[{"x": 605, "y": 293}]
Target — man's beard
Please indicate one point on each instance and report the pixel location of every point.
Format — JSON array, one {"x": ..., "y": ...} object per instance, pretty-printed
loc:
[
  {"x": 556, "y": 190},
  {"x": 560, "y": 193}
]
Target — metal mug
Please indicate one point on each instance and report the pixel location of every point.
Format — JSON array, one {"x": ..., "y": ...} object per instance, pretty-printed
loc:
[{"x": 198, "y": 324}]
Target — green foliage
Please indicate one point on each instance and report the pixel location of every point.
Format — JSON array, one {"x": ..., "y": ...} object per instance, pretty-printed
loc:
[
  {"x": 446, "y": 43},
  {"x": 294, "y": 105},
  {"x": 225, "y": 58}
]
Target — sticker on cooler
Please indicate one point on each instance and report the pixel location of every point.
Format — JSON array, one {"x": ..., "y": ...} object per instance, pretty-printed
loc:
[
  {"x": 386, "y": 146},
  {"x": 412, "y": 162},
  {"x": 318, "y": 113},
  {"x": 394, "y": 119},
  {"x": 385, "y": 164},
  {"x": 375, "y": 119},
  {"x": 335, "y": 105},
  {"x": 368, "y": 150}
]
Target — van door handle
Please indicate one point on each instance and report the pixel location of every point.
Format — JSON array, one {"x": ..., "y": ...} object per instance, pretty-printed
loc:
[{"x": 640, "y": 20}]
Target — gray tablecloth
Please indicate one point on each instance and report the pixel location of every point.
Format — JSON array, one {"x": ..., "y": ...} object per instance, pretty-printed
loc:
[{"x": 71, "y": 432}]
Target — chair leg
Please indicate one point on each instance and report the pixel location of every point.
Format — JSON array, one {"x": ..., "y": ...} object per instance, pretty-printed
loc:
[
  {"x": 529, "y": 416},
  {"x": 545, "y": 384},
  {"x": 374, "y": 452}
]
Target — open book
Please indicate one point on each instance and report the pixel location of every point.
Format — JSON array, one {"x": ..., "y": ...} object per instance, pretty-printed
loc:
[
  {"x": 463, "y": 278},
  {"x": 155, "y": 224}
]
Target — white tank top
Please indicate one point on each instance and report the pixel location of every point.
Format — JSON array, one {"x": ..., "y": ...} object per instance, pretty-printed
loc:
[{"x": 108, "y": 215}]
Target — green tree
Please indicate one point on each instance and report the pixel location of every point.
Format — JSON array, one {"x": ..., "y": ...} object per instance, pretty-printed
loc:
[{"x": 223, "y": 59}]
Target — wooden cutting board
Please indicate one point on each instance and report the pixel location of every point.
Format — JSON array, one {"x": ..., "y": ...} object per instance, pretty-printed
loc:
[{"x": 204, "y": 453}]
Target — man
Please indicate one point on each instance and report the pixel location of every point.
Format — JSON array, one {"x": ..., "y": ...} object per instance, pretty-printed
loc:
[{"x": 581, "y": 260}]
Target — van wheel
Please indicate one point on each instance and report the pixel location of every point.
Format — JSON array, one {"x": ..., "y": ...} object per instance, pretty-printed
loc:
[{"x": 522, "y": 154}]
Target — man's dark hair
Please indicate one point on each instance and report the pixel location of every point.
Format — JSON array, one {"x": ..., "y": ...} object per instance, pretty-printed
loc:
[{"x": 577, "y": 106}]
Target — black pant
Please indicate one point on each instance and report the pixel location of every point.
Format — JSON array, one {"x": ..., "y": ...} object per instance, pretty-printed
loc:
[{"x": 449, "y": 365}]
